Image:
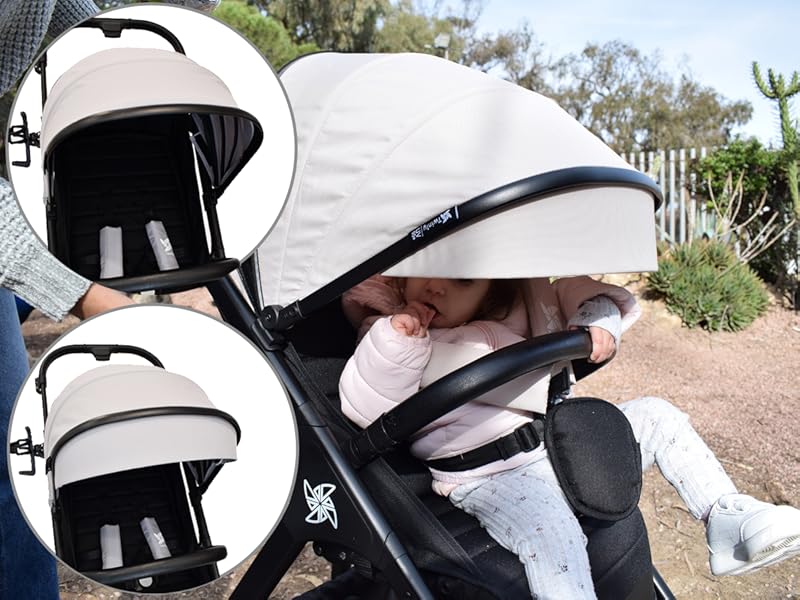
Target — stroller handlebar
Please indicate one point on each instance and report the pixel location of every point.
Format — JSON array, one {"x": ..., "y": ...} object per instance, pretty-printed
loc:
[
  {"x": 112, "y": 28},
  {"x": 101, "y": 352},
  {"x": 463, "y": 385}
]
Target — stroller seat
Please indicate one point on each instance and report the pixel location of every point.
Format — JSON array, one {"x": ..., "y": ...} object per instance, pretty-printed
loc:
[
  {"x": 126, "y": 498},
  {"x": 459, "y": 559},
  {"x": 125, "y": 174}
]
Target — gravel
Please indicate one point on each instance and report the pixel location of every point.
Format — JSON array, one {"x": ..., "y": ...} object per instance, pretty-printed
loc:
[{"x": 741, "y": 390}]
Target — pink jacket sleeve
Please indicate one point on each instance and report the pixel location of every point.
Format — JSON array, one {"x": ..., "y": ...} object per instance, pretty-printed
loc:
[{"x": 385, "y": 370}]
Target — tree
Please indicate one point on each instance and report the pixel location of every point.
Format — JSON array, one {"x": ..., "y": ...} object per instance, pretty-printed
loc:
[
  {"x": 410, "y": 27},
  {"x": 404, "y": 29},
  {"x": 340, "y": 25},
  {"x": 518, "y": 55},
  {"x": 629, "y": 101},
  {"x": 620, "y": 94},
  {"x": 265, "y": 33}
]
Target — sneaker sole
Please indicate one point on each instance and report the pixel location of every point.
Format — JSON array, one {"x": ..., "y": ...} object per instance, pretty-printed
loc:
[{"x": 776, "y": 552}]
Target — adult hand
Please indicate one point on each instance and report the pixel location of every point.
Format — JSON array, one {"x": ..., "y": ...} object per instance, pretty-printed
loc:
[
  {"x": 97, "y": 299},
  {"x": 413, "y": 320}
]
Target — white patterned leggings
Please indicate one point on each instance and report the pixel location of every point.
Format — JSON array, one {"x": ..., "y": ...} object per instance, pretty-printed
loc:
[{"x": 525, "y": 511}]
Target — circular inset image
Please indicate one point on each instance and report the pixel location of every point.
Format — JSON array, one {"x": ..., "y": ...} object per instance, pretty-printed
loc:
[
  {"x": 161, "y": 142},
  {"x": 153, "y": 448}
]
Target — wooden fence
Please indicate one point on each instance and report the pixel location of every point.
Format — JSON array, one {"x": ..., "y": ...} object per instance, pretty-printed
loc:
[{"x": 683, "y": 215}]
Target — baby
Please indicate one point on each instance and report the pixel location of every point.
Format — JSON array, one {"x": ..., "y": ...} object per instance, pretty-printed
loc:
[{"x": 518, "y": 499}]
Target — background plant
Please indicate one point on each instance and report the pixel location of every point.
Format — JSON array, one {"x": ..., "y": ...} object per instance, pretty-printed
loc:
[
  {"x": 735, "y": 232},
  {"x": 775, "y": 88},
  {"x": 705, "y": 284},
  {"x": 764, "y": 200},
  {"x": 265, "y": 33}
]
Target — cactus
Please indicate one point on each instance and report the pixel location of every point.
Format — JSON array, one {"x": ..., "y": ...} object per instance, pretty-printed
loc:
[{"x": 778, "y": 90}]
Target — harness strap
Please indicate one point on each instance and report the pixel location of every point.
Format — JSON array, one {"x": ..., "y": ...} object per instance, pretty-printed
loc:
[{"x": 522, "y": 439}]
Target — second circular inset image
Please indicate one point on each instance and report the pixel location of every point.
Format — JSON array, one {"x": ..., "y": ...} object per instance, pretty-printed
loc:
[{"x": 156, "y": 467}]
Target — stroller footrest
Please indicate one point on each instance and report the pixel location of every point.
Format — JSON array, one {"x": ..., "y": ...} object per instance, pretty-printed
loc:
[
  {"x": 176, "y": 280},
  {"x": 200, "y": 558}
]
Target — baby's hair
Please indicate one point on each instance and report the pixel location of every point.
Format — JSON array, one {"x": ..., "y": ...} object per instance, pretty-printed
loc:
[{"x": 499, "y": 300}]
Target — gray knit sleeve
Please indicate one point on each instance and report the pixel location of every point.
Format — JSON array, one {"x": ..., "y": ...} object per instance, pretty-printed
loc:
[
  {"x": 68, "y": 13},
  {"x": 23, "y": 25},
  {"x": 28, "y": 269},
  {"x": 22, "y": 28}
]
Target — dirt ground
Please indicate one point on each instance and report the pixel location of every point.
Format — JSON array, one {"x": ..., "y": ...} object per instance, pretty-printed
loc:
[{"x": 743, "y": 394}]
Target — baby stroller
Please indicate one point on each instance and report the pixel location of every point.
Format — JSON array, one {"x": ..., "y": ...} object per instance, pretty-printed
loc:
[
  {"x": 413, "y": 165},
  {"x": 126, "y": 133},
  {"x": 119, "y": 443}
]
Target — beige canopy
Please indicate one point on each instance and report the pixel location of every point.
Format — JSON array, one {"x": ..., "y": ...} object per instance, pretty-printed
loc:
[
  {"x": 81, "y": 441},
  {"x": 126, "y": 82},
  {"x": 389, "y": 144}
]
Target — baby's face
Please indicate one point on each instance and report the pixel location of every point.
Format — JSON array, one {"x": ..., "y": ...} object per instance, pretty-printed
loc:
[{"x": 456, "y": 301}]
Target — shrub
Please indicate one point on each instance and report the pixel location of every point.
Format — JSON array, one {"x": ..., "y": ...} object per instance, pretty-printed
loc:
[
  {"x": 706, "y": 286},
  {"x": 763, "y": 171}
]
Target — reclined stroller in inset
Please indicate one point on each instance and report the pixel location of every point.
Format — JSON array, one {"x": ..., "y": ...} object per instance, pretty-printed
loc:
[
  {"x": 119, "y": 443},
  {"x": 126, "y": 133},
  {"x": 411, "y": 165}
]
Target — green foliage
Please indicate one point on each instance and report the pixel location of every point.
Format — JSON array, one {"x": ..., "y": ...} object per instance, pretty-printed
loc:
[
  {"x": 706, "y": 286},
  {"x": 764, "y": 173},
  {"x": 406, "y": 29},
  {"x": 760, "y": 165},
  {"x": 340, "y": 25},
  {"x": 265, "y": 33},
  {"x": 627, "y": 99}
]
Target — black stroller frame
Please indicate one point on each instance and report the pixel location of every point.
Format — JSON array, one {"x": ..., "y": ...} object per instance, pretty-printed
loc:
[
  {"x": 160, "y": 491},
  {"x": 359, "y": 498},
  {"x": 143, "y": 168}
]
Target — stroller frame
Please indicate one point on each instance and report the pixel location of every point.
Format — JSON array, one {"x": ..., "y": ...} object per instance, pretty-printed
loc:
[
  {"x": 201, "y": 263},
  {"x": 359, "y": 533},
  {"x": 168, "y": 484}
]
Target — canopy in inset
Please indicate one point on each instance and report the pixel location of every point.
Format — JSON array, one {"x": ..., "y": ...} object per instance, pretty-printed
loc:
[
  {"x": 125, "y": 83},
  {"x": 121, "y": 417}
]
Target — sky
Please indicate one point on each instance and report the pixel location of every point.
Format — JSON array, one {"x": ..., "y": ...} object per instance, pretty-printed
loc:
[{"x": 718, "y": 40}]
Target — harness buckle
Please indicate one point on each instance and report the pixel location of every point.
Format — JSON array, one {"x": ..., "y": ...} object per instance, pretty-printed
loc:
[
  {"x": 527, "y": 437},
  {"x": 522, "y": 439}
]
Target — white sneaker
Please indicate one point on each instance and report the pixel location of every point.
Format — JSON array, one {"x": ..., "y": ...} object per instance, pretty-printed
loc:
[{"x": 745, "y": 534}]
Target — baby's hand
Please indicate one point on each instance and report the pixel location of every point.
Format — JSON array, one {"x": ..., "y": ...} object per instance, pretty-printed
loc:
[
  {"x": 414, "y": 319},
  {"x": 603, "y": 344}
]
